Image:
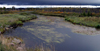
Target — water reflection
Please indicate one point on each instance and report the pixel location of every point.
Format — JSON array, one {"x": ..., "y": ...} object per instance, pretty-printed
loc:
[{"x": 47, "y": 32}]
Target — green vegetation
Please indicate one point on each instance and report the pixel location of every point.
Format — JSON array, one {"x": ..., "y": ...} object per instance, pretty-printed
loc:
[
  {"x": 85, "y": 18},
  {"x": 1, "y": 47},
  {"x": 19, "y": 22},
  {"x": 84, "y": 14},
  {"x": 98, "y": 27},
  {"x": 87, "y": 21},
  {"x": 7, "y": 20},
  {"x": 24, "y": 13},
  {"x": 27, "y": 18}
]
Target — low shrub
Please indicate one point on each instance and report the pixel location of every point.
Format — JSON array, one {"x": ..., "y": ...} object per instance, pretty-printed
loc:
[
  {"x": 84, "y": 14},
  {"x": 97, "y": 27},
  {"x": 33, "y": 16}
]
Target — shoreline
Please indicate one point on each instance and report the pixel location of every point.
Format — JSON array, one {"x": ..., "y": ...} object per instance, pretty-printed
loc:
[
  {"x": 73, "y": 21},
  {"x": 17, "y": 23}
]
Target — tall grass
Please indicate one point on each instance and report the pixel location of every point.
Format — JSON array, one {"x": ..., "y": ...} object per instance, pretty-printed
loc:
[
  {"x": 5, "y": 45},
  {"x": 7, "y": 20}
]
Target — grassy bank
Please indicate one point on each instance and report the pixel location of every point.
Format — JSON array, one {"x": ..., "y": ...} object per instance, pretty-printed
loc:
[
  {"x": 87, "y": 21},
  {"x": 13, "y": 20}
]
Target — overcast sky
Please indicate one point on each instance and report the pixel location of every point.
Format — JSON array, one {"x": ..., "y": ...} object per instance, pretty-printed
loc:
[{"x": 50, "y": 2}]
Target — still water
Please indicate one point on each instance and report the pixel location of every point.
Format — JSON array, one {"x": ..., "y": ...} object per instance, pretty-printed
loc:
[{"x": 49, "y": 30}]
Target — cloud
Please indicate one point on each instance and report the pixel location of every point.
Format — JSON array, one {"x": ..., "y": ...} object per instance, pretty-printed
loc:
[
  {"x": 48, "y": 6},
  {"x": 48, "y": 2}
]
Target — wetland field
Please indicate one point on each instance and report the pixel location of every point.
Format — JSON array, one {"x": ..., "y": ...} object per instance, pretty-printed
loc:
[{"x": 50, "y": 29}]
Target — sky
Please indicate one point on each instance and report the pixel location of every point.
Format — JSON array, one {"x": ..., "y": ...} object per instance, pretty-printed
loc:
[{"x": 50, "y": 2}]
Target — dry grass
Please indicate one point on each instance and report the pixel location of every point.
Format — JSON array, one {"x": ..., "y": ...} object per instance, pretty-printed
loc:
[{"x": 6, "y": 45}]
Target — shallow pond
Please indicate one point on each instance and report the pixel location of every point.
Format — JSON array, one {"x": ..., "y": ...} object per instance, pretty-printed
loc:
[{"x": 49, "y": 30}]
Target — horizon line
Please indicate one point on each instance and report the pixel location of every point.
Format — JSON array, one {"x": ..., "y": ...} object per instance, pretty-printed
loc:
[{"x": 49, "y": 6}]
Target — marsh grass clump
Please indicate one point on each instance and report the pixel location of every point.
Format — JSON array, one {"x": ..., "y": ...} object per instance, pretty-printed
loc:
[
  {"x": 6, "y": 48},
  {"x": 84, "y": 14},
  {"x": 87, "y": 21},
  {"x": 5, "y": 44},
  {"x": 24, "y": 13},
  {"x": 19, "y": 23},
  {"x": 97, "y": 27},
  {"x": 27, "y": 18},
  {"x": 1, "y": 47},
  {"x": 33, "y": 16},
  {"x": 12, "y": 44},
  {"x": 2, "y": 30}
]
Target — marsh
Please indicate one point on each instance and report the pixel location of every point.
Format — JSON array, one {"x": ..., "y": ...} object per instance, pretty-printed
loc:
[{"x": 55, "y": 31}]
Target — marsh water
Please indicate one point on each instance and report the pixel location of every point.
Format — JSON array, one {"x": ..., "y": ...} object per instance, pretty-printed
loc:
[{"x": 54, "y": 31}]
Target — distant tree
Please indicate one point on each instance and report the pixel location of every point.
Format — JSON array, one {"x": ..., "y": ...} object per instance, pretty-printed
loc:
[
  {"x": 4, "y": 8},
  {"x": 89, "y": 14},
  {"x": 84, "y": 14},
  {"x": 0, "y": 8},
  {"x": 13, "y": 8}
]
